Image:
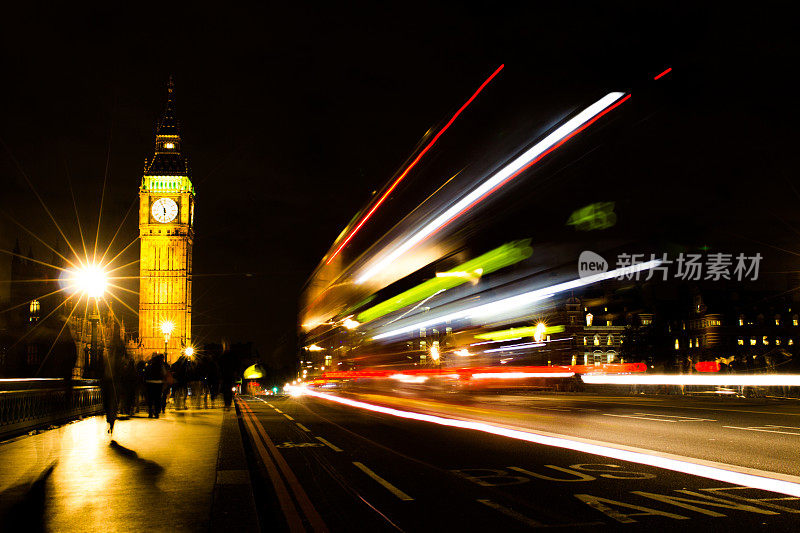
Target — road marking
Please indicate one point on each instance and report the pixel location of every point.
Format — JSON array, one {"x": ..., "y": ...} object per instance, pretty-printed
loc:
[
  {"x": 761, "y": 428},
  {"x": 385, "y": 484},
  {"x": 782, "y": 427},
  {"x": 727, "y": 473},
  {"x": 287, "y": 416},
  {"x": 301, "y": 426},
  {"x": 683, "y": 418},
  {"x": 298, "y": 445},
  {"x": 269, "y": 404},
  {"x": 662, "y": 418},
  {"x": 284, "y": 499},
  {"x": 530, "y": 522},
  {"x": 640, "y": 418},
  {"x": 317, "y": 524},
  {"x": 278, "y": 410},
  {"x": 329, "y": 445}
]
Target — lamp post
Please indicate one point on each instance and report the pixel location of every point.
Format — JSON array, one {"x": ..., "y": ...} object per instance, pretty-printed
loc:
[
  {"x": 91, "y": 280},
  {"x": 166, "y": 328}
]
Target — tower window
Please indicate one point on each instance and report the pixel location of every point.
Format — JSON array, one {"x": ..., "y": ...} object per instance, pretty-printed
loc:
[{"x": 169, "y": 146}]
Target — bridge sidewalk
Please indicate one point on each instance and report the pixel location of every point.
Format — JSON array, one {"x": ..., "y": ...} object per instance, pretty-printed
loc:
[{"x": 169, "y": 474}]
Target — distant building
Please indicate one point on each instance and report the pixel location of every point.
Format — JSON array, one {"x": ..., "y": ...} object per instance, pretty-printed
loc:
[{"x": 33, "y": 340}]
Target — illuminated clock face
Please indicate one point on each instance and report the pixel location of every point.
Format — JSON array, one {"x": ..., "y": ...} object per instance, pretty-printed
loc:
[{"x": 164, "y": 210}]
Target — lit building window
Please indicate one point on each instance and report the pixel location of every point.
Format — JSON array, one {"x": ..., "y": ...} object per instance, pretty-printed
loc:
[
  {"x": 791, "y": 342},
  {"x": 777, "y": 341},
  {"x": 690, "y": 344},
  {"x": 794, "y": 320},
  {"x": 422, "y": 332},
  {"x": 608, "y": 322},
  {"x": 741, "y": 321},
  {"x": 740, "y": 342},
  {"x": 677, "y": 345},
  {"x": 597, "y": 340},
  {"x": 169, "y": 146},
  {"x": 752, "y": 342},
  {"x": 610, "y": 340},
  {"x": 697, "y": 343},
  {"x": 777, "y": 320},
  {"x": 764, "y": 340},
  {"x": 585, "y": 341},
  {"x": 589, "y": 318},
  {"x": 646, "y": 321}
]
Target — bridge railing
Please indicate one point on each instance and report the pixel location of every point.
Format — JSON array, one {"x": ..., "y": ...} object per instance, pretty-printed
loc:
[{"x": 27, "y": 404}]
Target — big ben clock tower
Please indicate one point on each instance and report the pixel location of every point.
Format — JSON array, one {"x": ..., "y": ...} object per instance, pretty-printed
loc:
[{"x": 166, "y": 232}]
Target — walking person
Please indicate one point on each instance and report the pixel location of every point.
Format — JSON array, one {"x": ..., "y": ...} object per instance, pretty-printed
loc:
[
  {"x": 154, "y": 382},
  {"x": 109, "y": 391},
  {"x": 169, "y": 381}
]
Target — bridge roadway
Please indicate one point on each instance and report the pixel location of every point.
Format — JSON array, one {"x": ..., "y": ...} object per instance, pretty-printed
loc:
[
  {"x": 325, "y": 465},
  {"x": 312, "y": 463}
]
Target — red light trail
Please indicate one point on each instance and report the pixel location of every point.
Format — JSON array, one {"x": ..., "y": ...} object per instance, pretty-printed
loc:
[
  {"x": 663, "y": 73},
  {"x": 411, "y": 166}
]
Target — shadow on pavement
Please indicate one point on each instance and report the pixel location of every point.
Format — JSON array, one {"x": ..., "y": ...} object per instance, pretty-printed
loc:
[
  {"x": 148, "y": 470},
  {"x": 22, "y": 507}
]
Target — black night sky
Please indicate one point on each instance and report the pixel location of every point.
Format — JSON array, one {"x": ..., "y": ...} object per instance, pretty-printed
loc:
[{"x": 293, "y": 116}]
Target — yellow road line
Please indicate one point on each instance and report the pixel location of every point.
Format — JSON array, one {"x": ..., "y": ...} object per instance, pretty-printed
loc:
[
  {"x": 300, "y": 495},
  {"x": 284, "y": 499}
]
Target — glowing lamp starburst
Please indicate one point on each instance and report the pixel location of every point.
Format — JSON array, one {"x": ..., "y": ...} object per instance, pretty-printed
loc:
[
  {"x": 167, "y": 326},
  {"x": 90, "y": 280}
]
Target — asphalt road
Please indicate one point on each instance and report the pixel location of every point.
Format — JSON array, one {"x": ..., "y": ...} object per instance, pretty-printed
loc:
[
  {"x": 323, "y": 465},
  {"x": 761, "y": 434}
]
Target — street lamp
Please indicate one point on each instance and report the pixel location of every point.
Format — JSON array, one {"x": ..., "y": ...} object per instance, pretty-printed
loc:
[
  {"x": 189, "y": 351},
  {"x": 166, "y": 328},
  {"x": 91, "y": 280}
]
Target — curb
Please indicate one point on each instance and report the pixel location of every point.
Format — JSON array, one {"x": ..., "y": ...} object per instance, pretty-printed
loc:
[{"x": 233, "y": 507}]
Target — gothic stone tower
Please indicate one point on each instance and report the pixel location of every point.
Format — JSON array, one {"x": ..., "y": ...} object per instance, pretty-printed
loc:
[{"x": 166, "y": 231}]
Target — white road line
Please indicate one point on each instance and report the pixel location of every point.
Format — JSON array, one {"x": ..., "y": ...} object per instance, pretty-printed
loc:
[
  {"x": 760, "y": 428},
  {"x": 781, "y": 427},
  {"x": 385, "y": 484},
  {"x": 287, "y": 416},
  {"x": 329, "y": 445},
  {"x": 530, "y": 522},
  {"x": 640, "y": 417},
  {"x": 685, "y": 418},
  {"x": 301, "y": 426}
]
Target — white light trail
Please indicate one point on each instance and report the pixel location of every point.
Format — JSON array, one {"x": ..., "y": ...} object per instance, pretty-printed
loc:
[
  {"x": 515, "y": 347},
  {"x": 409, "y": 379},
  {"x": 521, "y": 300},
  {"x": 764, "y": 380},
  {"x": 496, "y": 179},
  {"x": 695, "y": 467},
  {"x": 521, "y": 375}
]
